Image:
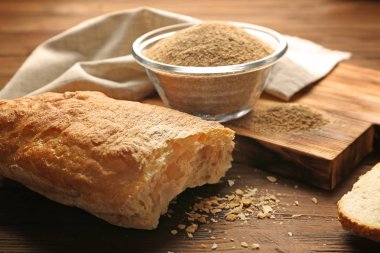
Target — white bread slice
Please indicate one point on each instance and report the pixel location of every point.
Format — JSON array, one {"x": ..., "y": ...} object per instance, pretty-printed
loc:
[
  {"x": 359, "y": 209},
  {"x": 119, "y": 160}
]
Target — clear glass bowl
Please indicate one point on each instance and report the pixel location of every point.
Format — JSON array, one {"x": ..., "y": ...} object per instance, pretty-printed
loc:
[{"x": 214, "y": 93}]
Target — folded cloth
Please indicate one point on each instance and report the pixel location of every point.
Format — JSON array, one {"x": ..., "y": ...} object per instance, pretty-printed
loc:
[
  {"x": 304, "y": 63},
  {"x": 96, "y": 55}
]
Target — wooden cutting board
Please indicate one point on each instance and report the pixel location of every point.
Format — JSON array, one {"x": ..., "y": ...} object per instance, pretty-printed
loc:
[
  {"x": 349, "y": 90},
  {"x": 351, "y": 97},
  {"x": 324, "y": 155}
]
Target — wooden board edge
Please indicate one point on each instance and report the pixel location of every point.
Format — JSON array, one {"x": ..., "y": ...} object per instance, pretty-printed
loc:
[
  {"x": 254, "y": 153},
  {"x": 265, "y": 141},
  {"x": 322, "y": 173},
  {"x": 352, "y": 156},
  {"x": 377, "y": 137}
]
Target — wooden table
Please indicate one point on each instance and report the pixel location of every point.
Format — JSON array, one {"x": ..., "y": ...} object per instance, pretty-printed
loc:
[{"x": 30, "y": 223}]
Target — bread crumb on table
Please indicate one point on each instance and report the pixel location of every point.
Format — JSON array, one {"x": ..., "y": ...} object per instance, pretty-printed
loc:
[
  {"x": 231, "y": 217},
  {"x": 244, "y": 244},
  {"x": 240, "y": 204},
  {"x": 181, "y": 226},
  {"x": 267, "y": 209},
  {"x": 192, "y": 228},
  {"x": 231, "y": 182},
  {"x": 239, "y": 192},
  {"x": 272, "y": 179},
  {"x": 261, "y": 215},
  {"x": 255, "y": 246}
]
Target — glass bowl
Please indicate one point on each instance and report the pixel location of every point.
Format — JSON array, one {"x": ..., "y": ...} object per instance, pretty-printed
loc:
[{"x": 219, "y": 93}]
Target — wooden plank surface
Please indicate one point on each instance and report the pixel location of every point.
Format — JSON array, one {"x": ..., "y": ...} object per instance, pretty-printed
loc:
[
  {"x": 349, "y": 91},
  {"x": 30, "y": 223},
  {"x": 358, "y": 96},
  {"x": 324, "y": 155}
]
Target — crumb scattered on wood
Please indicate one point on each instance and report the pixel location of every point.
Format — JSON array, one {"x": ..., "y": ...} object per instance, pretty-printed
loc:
[
  {"x": 192, "y": 228},
  {"x": 272, "y": 179},
  {"x": 231, "y": 182},
  {"x": 241, "y": 204},
  {"x": 255, "y": 246},
  {"x": 239, "y": 192},
  {"x": 181, "y": 226},
  {"x": 244, "y": 244}
]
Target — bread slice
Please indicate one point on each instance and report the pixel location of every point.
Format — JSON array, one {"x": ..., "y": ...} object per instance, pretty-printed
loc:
[
  {"x": 121, "y": 161},
  {"x": 359, "y": 209}
]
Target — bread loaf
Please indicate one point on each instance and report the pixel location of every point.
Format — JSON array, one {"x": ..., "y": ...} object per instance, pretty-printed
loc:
[
  {"x": 121, "y": 161},
  {"x": 359, "y": 209}
]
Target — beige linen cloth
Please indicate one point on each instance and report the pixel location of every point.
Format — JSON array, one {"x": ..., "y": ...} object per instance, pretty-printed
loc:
[{"x": 96, "y": 55}]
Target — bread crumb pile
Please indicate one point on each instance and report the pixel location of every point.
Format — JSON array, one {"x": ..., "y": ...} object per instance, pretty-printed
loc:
[
  {"x": 208, "y": 44},
  {"x": 240, "y": 205},
  {"x": 283, "y": 118},
  {"x": 235, "y": 207}
]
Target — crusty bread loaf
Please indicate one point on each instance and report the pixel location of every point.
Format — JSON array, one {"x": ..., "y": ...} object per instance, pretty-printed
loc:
[
  {"x": 359, "y": 209},
  {"x": 121, "y": 161}
]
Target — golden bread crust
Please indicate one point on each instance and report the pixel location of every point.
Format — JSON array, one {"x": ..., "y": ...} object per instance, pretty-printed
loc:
[
  {"x": 94, "y": 152},
  {"x": 362, "y": 230},
  {"x": 359, "y": 209}
]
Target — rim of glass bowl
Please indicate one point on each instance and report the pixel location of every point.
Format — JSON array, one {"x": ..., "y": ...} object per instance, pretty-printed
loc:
[{"x": 153, "y": 36}]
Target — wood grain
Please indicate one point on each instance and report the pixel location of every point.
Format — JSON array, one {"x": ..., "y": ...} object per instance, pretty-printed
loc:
[
  {"x": 335, "y": 24},
  {"x": 30, "y": 223},
  {"x": 349, "y": 91},
  {"x": 324, "y": 155},
  {"x": 358, "y": 96}
]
